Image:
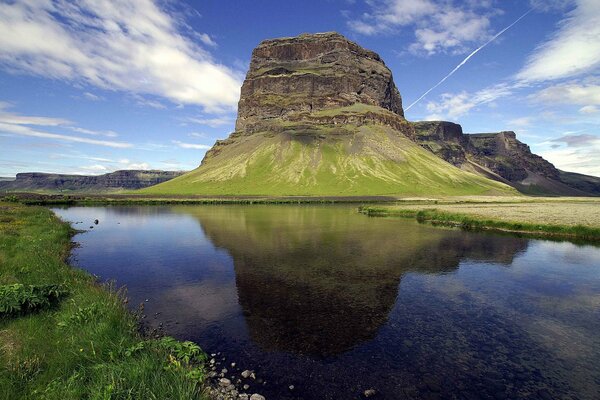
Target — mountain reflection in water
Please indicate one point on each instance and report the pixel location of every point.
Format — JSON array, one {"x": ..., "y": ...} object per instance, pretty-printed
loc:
[
  {"x": 334, "y": 302},
  {"x": 317, "y": 283}
]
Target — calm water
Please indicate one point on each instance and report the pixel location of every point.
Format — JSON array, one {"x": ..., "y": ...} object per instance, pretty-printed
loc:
[{"x": 334, "y": 302}]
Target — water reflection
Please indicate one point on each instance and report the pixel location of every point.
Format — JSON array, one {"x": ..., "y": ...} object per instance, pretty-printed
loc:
[
  {"x": 334, "y": 302},
  {"x": 316, "y": 282}
]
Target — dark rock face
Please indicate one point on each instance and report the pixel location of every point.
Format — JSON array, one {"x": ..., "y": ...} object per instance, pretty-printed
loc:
[
  {"x": 502, "y": 157},
  {"x": 444, "y": 139},
  {"x": 313, "y": 72},
  {"x": 505, "y": 155},
  {"x": 124, "y": 179}
]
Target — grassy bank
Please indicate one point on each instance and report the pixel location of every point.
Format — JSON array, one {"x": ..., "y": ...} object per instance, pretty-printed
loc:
[
  {"x": 63, "y": 336},
  {"x": 576, "y": 219},
  {"x": 141, "y": 199}
]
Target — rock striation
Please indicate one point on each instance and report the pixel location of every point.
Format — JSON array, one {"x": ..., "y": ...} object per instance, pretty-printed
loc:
[
  {"x": 501, "y": 156},
  {"x": 312, "y": 72},
  {"x": 114, "y": 181}
]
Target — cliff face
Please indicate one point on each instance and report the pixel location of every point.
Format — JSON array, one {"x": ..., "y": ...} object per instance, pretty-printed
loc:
[
  {"x": 309, "y": 73},
  {"x": 118, "y": 180},
  {"x": 320, "y": 115},
  {"x": 502, "y": 157}
]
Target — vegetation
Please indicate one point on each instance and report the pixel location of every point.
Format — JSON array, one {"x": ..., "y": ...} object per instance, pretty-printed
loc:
[
  {"x": 22, "y": 299},
  {"x": 370, "y": 160},
  {"x": 566, "y": 219},
  {"x": 63, "y": 336}
]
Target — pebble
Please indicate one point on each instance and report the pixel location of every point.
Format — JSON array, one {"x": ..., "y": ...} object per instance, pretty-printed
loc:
[
  {"x": 224, "y": 382},
  {"x": 246, "y": 374},
  {"x": 257, "y": 396},
  {"x": 232, "y": 365},
  {"x": 224, "y": 370},
  {"x": 246, "y": 387},
  {"x": 370, "y": 392},
  {"x": 291, "y": 387}
]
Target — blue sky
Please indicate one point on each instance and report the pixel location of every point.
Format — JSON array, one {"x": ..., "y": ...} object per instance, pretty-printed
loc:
[{"x": 94, "y": 86}]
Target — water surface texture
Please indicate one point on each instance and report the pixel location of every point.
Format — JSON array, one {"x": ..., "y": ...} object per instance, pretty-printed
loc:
[{"x": 334, "y": 302}]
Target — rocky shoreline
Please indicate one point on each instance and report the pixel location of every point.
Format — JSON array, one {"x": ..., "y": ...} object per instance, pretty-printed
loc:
[{"x": 228, "y": 383}]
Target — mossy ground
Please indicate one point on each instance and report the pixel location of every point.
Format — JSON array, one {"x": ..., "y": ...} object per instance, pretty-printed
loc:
[
  {"x": 85, "y": 346},
  {"x": 371, "y": 160}
]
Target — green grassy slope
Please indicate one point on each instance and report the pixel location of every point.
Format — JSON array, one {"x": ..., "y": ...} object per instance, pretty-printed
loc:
[
  {"x": 327, "y": 161},
  {"x": 85, "y": 345}
]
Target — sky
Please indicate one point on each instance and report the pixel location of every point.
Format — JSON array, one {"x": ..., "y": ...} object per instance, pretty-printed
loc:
[{"x": 94, "y": 86}]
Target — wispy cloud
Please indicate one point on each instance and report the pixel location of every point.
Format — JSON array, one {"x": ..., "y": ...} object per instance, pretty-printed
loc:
[
  {"x": 101, "y": 44},
  {"x": 575, "y": 93},
  {"x": 195, "y": 146},
  {"x": 212, "y": 122},
  {"x": 92, "y": 96},
  {"x": 22, "y": 125},
  {"x": 578, "y": 140},
  {"x": 465, "y": 60},
  {"x": 454, "y": 105},
  {"x": 22, "y": 130},
  {"x": 94, "y": 133},
  {"x": 439, "y": 26},
  {"x": 573, "y": 50}
]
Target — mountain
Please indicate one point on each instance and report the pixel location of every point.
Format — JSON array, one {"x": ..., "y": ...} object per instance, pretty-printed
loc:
[
  {"x": 320, "y": 115},
  {"x": 502, "y": 157},
  {"x": 115, "y": 181}
]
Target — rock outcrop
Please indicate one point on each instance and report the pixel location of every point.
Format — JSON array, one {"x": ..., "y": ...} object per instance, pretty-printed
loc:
[
  {"x": 502, "y": 157},
  {"x": 320, "y": 115},
  {"x": 312, "y": 72},
  {"x": 114, "y": 181}
]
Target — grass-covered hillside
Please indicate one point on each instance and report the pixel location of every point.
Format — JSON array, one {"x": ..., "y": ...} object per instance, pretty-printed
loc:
[{"x": 326, "y": 160}]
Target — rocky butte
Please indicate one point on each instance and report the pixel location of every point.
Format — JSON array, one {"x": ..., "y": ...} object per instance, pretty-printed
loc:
[
  {"x": 111, "y": 182},
  {"x": 319, "y": 115}
]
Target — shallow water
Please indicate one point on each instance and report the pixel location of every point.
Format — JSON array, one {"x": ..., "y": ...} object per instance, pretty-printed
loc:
[{"x": 334, "y": 302}]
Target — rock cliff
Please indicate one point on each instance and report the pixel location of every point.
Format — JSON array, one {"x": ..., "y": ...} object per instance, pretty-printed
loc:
[
  {"x": 502, "y": 157},
  {"x": 320, "y": 115},
  {"x": 309, "y": 73},
  {"x": 118, "y": 180}
]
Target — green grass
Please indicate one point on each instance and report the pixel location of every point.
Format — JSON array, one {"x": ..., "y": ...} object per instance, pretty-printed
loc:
[
  {"x": 80, "y": 342},
  {"x": 470, "y": 221},
  {"x": 370, "y": 160}
]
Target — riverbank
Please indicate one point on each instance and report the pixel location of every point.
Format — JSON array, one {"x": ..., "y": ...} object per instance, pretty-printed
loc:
[
  {"x": 63, "y": 336},
  {"x": 577, "y": 219},
  {"x": 141, "y": 199}
]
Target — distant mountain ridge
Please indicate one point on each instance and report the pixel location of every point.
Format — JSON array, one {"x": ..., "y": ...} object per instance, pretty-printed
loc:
[
  {"x": 502, "y": 157},
  {"x": 111, "y": 182}
]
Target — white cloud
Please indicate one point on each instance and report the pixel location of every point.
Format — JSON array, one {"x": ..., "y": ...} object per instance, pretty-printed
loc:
[
  {"x": 439, "y": 26},
  {"x": 95, "y": 168},
  {"x": 142, "y": 166},
  {"x": 454, "y": 105},
  {"x": 520, "y": 122},
  {"x": 22, "y": 130},
  {"x": 579, "y": 152},
  {"x": 589, "y": 110},
  {"x": 92, "y": 96},
  {"x": 15, "y": 124},
  {"x": 212, "y": 122},
  {"x": 191, "y": 145},
  {"x": 583, "y": 160},
  {"x": 583, "y": 94},
  {"x": 94, "y": 133},
  {"x": 573, "y": 50},
  {"x": 206, "y": 39},
  {"x": 133, "y": 46}
]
